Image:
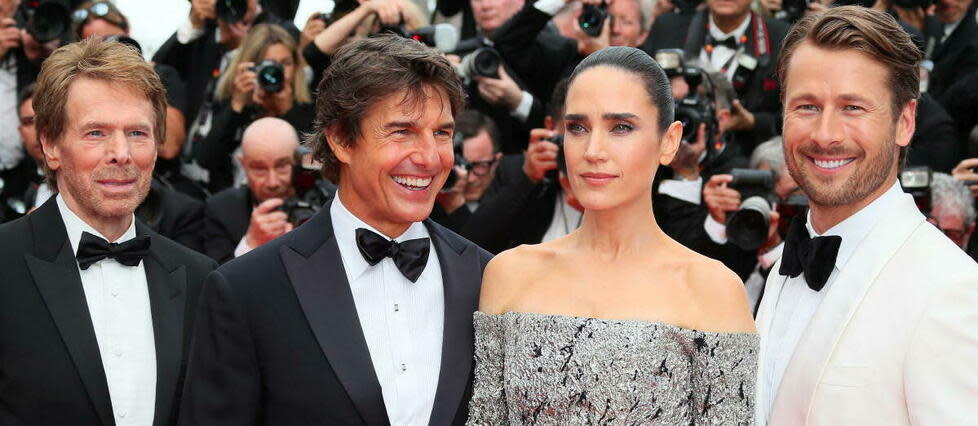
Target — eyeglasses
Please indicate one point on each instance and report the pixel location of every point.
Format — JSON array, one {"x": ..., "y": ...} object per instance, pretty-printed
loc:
[
  {"x": 481, "y": 168},
  {"x": 100, "y": 10},
  {"x": 262, "y": 171}
]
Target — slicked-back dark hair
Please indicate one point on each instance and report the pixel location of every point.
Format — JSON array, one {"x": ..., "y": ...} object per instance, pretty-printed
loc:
[
  {"x": 366, "y": 71},
  {"x": 642, "y": 65}
]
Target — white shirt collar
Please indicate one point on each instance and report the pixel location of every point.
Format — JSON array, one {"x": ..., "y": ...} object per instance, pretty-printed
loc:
[
  {"x": 856, "y": 227},
  {"x": 717, "y": 34},
  {"x": 345, "y": 226},
  {"x": 74, "y": 225}
]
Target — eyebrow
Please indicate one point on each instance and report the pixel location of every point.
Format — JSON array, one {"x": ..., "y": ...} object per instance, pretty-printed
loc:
[
  {"x": 413, "y": 124},
  {"x": 607, "y": 116},
  {"x": 102, "y": 124}
]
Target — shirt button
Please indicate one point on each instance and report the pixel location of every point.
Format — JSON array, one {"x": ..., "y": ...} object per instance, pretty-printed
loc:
[
  {"x": 122, "y": 414},
  {"x": 397, "y": 308},
  {"x": 403, "y": 368},
  {"x": 118, "y": 353},
  {"x": 115, "y": 293}
]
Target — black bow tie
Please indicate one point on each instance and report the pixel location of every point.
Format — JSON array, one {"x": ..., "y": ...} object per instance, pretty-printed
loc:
[
  {"x": 410, "y": 256},
  {"x": 92, "y": 249},
  {"x": 730, "y": 42},
  {"x": 813, "y": 256}
]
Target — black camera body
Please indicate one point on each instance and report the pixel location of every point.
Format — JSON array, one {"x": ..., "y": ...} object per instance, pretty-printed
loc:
[
  {"x": 271, "y": 75},
  {"x": 592, "y": 19},
  {"x": 694, "y": 109},
  {"x": 47, "y": 21},
  {"x": 231, "y": 11},
  {"x": 311, "y": 191},
  {"x": 460, "y": 161},
  {"x": 916, "y": 182},
  {"x": 747, "y": 227},
  {"x": 483, "y": 61}
]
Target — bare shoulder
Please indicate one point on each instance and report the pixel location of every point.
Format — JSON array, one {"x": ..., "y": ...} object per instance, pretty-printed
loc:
[
  {"x": 721, "y": 297},
  {"x": 509, "y": 273}
]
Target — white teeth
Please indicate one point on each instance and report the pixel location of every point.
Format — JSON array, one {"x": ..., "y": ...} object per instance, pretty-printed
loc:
[
  {"x": 412, "y": 181},
  {"x": 834, "y": 164}
]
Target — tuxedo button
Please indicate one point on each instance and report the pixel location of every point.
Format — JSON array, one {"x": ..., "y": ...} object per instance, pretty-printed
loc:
[
  {"x": 403, "y": 368},
  {"x": 122, "y": 415},
  {"x": 397, "y": 308},
  {"x": 115, "y": 293}
]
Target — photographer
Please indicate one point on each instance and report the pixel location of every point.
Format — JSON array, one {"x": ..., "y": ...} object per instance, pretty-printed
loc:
[
  {"x": 239, "y": 219},
  {"x": 24, "y": 184},
  {"x": 742, "y": 45},
  {"x": 265, "y": 79},
  {"x": 956, "y": 54},
  {"x": 476, "y": 159},
  {"x": 201, "y": 47},
  {"x": 952, "y": 208}
]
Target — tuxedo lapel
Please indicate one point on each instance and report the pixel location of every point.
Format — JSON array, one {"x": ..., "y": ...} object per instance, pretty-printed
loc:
[
  {"x": 460, "y": 276},
  {"x": 315, "y": 268},
  {"x": 167, "y": 281},
  {"x": 814, "y": 349},
  {"x": 765, "y": 315},
  {"x": 55, "y": 273},
  {"x": 696, "y": 35}
]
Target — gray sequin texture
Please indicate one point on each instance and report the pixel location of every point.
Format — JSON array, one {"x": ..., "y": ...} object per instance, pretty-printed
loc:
[{"x": 561, "y": 370}]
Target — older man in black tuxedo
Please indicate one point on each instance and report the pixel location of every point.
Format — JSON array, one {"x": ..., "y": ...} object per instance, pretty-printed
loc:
[
  {"x": 363, "y": 315},
  {"x": 95, "y": 307}
]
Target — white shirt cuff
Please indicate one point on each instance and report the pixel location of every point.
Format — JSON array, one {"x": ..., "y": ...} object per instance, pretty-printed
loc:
[
  {"x": 187, "y": 33},
  {"x": 686, "y": 190},
  {"x": 716, "y": 230},
  {"x": 550, "y": 7},
  {"x": 242, "y": 247},
  {"x": 522, "y": 111}
]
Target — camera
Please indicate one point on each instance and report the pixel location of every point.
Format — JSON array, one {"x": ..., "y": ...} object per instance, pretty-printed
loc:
[
  {"x": 311, "y": 191},
  {"x": 795, "y": 9},
  {"x": 747, "y": 227},
  {"x": 231, "y": 11},
  {"x": 916, "y": 182},
  {"x": 694, "y": 109},
  {"x": 484, "y": 61},
  {"x": 47, "y": 21},
  {"x": 271, "y": 75},
  {"x": 460, "y": 161},
  {"x": 552, "y": 175},
  {"x": 326, "y": 17},
  {"x": 592, "y": 19},
  {"x": 795, "y": 205}
]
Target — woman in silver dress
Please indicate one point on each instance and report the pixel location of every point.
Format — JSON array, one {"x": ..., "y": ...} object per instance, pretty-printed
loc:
[{"x": 615, "y": 323}]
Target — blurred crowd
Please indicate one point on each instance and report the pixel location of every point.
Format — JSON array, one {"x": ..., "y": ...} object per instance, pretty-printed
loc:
[{"x": 232, "y": 172}]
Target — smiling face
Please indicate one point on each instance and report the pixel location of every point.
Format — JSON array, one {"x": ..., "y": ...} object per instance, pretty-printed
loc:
[
  {"x": 104, "y": 160},
  {"x": 842, "y": 141},
  {"x": 612, "y": 143},
  {"x": 390, "y": 176}
]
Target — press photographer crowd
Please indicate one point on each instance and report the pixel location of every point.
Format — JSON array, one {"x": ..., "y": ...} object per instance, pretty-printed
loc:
[{"x": 239, "y": 160}]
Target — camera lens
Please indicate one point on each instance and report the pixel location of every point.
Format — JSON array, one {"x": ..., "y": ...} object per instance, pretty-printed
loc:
[
  {"x": 231, "y": 11},
  {"x": 483, "y": 61},
  {"x": 747, "y": 227},
  {"x": 48, "y": 22},
  {"x": 271, "y": 76},
  {"x": 592, "y": 19}
]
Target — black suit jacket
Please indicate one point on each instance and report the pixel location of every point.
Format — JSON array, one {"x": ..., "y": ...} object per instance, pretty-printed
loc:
[
  {"x": 955, "y": 58},
  {"x": 226, "y": 218},
  {"x": 278, "y": 340},
  {"x": 761, "y": 94},
  {"x": 50, "y": 368},
  {"x": 174, "y": 215}
]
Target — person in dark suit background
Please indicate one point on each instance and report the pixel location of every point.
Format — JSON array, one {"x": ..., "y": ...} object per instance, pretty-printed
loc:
[
  {"x": 334, "y": 323},
  {"x": 739, "y": 43},
  {"x": 956, "y": 55},
  {"x": 95, "y": 333}
]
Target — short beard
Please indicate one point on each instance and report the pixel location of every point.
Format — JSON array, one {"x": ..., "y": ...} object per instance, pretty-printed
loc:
[{"x": 860, "y": 184}]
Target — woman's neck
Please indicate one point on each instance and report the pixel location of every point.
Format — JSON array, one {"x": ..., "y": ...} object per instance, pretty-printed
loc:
[{"x": 620, "y": 232}]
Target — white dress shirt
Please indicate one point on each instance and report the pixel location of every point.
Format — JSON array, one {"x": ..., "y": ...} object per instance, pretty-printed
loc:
[
  {"x": 686, "y": 190},
  {"x": 402, "y": 321},
  {"x": 118, "y": 302},
  {"x": 721, "y": 54},
  {"x": 797, "y": 303}
]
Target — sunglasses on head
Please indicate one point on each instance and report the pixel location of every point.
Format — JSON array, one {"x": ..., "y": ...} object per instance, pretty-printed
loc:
[{"x": 98, "y": 10}]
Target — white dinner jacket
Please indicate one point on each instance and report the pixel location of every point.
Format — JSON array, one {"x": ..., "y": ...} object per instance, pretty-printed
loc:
[{"x": 894, "y": 342}]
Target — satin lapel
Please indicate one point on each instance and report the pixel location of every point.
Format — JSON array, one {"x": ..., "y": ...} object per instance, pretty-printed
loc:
[
  {"x": 315, "y": 269},
  {"x": 460, "y": 272},
  {"x": 56, "y": 276},
  {"x": 815, "y": 348},
  {"x": 167, "y": 283},
  {"x": 696, "y": 35},
  {"x": 765, "y": 315}
]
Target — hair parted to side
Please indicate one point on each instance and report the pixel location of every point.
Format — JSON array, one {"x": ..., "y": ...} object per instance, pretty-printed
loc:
[
  {"x": 97, "y": 59},
  {"x": 866, "y": 30},
  {"x": 366, "y": 71},
  {"x": 637, "y": 62}
]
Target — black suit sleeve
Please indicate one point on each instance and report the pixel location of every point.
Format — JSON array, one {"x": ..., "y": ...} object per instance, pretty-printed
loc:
[
  {"x": 188, "y": 222},
  {"x": 223, "y": 382}
]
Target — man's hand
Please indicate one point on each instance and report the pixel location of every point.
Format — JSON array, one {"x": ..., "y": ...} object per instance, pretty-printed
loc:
[
  {"x": 687, "y": 160},
  {"x": 740, "y": 118},
  {"x": 964, "y": 172},
  {"x": 454, "y": 197},
  {"x": 201, "y": 11},
  {"x": 501, "y": 91},
  {"x": 541, "y": 155},
  {"x": 245, "y": 82},
  {"x": 720, "y": 199},
  {"x": 267, "y": 223},
  {"x": 9, "y": 35},
  {"x": 313, "y": 27},
  {"x": 388, "y": 11},
  {"x": 586, "y": 44},
  {"x": 773, "y": 237}
]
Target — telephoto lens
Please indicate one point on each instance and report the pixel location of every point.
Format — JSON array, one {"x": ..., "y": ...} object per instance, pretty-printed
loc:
[
  {"x": 747, "y": 226},
  {"x": 483, "y": 61},
  {"x": 271, "y": 76},
  {"x": 48, "y": 21},
  {"x": 592, "y": 19}
]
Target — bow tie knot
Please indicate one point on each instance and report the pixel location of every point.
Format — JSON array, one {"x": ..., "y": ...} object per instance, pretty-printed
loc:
[
  {"x": 92, "y": 249},
  {"x": 815, "y": 257},
  {"x": 409, "y": 256},
  {"x": 729, "y": 42}
]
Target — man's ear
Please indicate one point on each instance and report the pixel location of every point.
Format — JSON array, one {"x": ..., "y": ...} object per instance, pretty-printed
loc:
[
  {"x": 52, "y": 155},
  {"x": 340, "y": 149},
  {"x": 906, "y": 123}
]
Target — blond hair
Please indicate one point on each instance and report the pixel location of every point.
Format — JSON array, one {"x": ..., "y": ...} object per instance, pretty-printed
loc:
[
  {"x": 96, "y": 59},
  {"x": 253, "y": 49}
]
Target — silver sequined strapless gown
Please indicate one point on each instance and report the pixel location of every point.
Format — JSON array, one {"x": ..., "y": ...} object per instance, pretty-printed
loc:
[{"x": 561, "y": 370}]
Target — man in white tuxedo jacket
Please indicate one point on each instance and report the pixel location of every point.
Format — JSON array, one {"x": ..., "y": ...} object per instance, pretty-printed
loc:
[{"x": 871, "y": 315}]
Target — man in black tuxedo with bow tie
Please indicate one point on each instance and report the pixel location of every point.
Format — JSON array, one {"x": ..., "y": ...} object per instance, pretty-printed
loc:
[
  {"x": 94, "y": 332},
  {"x": 362, "y": 315}
]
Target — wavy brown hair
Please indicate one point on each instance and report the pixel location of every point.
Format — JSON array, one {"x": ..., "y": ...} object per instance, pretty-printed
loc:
[{"x": 366, "y": 71}]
